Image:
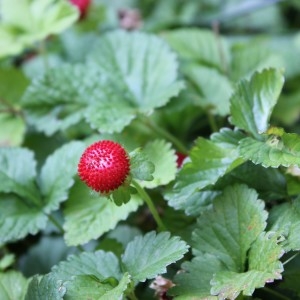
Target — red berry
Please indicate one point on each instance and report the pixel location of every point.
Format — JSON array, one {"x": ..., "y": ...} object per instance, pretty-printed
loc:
[
  {"x": 104, "y": 166},
  {"x": 180, "y": 158},
  {"x": 82, "y": 6}
]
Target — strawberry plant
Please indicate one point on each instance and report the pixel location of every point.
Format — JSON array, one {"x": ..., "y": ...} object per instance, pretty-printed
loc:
[{"x": 149, "y": 150}]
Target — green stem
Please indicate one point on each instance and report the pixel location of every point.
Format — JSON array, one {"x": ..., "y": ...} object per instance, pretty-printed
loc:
[
  {"x": 150, "y": 204},
  {"x": 132, "y": 296},
  {"x": 56, "y": 224},
  {"x": 275, "y": 293},
  {"x": 212, "y": 122},
  {"x": 291, "y": 258},
  {"x": 167, "y": 135},
  {"x": 61, "y": 230}
]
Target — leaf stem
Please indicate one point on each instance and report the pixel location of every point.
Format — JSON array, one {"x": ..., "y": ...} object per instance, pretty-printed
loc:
[
  {"x": 132, "y": 296},
  {"x": 165, "y": 134},
  {"x": 150, "y": 204},
  {"x": 56, "y": 224},
  {"x": 291, "y": 258},
  {"x": 275, "y": 293},
  {"x": 212, "y": 122}
]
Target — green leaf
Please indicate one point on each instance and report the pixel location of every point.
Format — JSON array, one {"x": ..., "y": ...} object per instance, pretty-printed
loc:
[
  {"x": 122, "y": 195},
  {"x": 46, "y": 287},
  {"x": 273, "y": 151},
  {"x": 19, "y": 218},
  {"x": 18, "y": 172},
  {"x": 212, "y": 89},
  {"x": 264, "y": 267},
  {"x": 20, "y": 83},
  {"x": 147, "y": 256},
  {"x": 252, "y": 56},
  {"x": 13, "y": 129},
  {"x": 270, "y": 183},
  {"x": 194, "y": 281},
  {"x": 54, "y": 102},
  {"x": 199, "y": 202},
  {"x": 253, "y": 101},
  {"x": 227, "y": 138},
  {"x": 163, "y": 157},
  {"x": 6, "y": 261},
  {"x": 100, "y": 264},
  {"x": 57, "y": 174},
  {"x": 11, "y": 121},
  {"x": 141, "y": 167},
  {"x": 88, "y": 216},
  {"x": 27, "y": 21},
  {"x": 142, "y": 75},
  {"x": 285, "y": 218},
  {"x": 209, "y": 162},
  {"x": 13, "y": 285},
  {"x": 228, "y": 237},
  {"x": 199, "y": 45},
  {"x": 86, "y": 287},
  {"x": 119, "y": 290},
  {"x": 90, "y": 287},
  {"x": 228, "y": 230}
]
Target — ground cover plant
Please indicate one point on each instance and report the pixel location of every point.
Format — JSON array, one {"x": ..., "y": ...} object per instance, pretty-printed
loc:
[{"x": 149, "y": 149}]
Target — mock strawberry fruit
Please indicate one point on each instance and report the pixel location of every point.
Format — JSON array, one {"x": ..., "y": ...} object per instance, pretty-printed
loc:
[
  {"x": 180, "y": 159},
  {"x": 104, "y": 166},
  {"x": 82, "y": 5}
]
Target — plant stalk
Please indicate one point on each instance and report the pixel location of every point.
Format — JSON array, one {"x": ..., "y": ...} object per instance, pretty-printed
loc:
[
  {"x": 291, "y": 258},
  {"x": 167, "y": 135},
  {"x": 212, "y": 122},
  {"x": 150, "y": 204}
]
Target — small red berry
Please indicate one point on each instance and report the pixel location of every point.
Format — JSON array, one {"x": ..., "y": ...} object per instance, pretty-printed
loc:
[
  {"x": 180, "y": 158},
  {"x": 82, "y": 5},
  {"x": 104, "y": 166}
]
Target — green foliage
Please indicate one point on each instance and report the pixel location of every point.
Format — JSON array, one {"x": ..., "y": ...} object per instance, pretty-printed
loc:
[
  {"x": 209, "y": 92},
  {"x": 140, "y": 166},
  {"x": 18, "y": 173},
  {"x": 10, "y": 113},
  {"x": 108, "y": 77},
  {"x": 25, "y": 22},
  {"x": 51, "y": 106},
  {"x": 89, "y": 287},
  {"x": 13, "y": 285},
  {"x": 46, "y": 287},
  {"x": 209, "y": 161},
  {"x": 163, "y": 157},
  {"x": 285, "y": 219},
  {"x": 273, "y": 151},
  {"x": 57, "y": 174},
  {"x": 198, "y": 45},
  {"x": 147, "y": 256},
  {"x": 24, "y": 206},
  {"x": 209, "y": 119},
  {"x": 224, "y": 236},
  {"x": 100, "y": 275},
  {"x": 253, "y": 101},
  {"x": 88, "y": 216}
]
